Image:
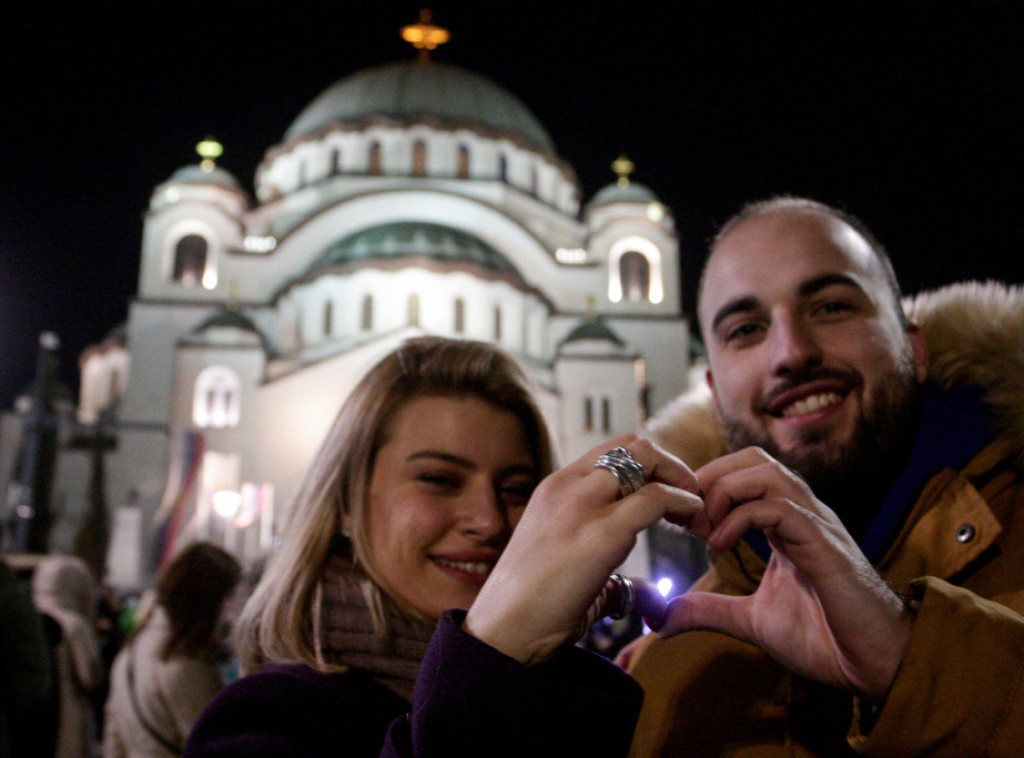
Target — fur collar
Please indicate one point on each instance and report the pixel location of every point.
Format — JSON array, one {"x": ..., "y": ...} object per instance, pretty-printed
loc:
[{"x": 974, "y": 331}]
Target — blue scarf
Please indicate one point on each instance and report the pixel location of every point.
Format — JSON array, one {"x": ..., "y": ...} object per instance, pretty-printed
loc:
[{"x": 955, "y": 425}]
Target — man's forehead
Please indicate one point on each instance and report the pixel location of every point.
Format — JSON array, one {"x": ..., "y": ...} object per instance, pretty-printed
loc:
[{"x": 797, "y": 245}]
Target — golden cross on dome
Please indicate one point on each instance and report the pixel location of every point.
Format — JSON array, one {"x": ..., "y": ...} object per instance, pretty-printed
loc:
[
  {"x": 424, "y": 35},
  {"x": 623, "y": 166}
]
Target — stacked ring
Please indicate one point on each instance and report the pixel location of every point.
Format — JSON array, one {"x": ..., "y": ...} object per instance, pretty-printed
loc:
[
  {"x": 628, "y": 472},
  {"x": 621, "y": 596},
  {"x": 615, "y": 600}
]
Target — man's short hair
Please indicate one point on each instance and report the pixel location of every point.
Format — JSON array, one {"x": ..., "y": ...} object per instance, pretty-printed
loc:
[{"x": 782, "y": 203}]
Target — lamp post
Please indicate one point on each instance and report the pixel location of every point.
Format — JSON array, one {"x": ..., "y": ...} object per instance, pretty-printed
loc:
[{"x": 29, "y": 496}]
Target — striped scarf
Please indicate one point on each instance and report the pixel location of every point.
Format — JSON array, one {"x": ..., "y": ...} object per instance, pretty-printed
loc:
[{"x": 344, "y": 634}]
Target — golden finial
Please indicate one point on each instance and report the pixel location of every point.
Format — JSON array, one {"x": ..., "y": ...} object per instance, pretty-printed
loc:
[
  {"x": 623, "y": 166},
  {"x": 424, "y": 35},
  {"x": 209, "y": 150}
]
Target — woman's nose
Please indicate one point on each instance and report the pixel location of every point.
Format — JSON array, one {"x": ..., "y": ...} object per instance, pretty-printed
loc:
[{"x": 482, "y": 514}]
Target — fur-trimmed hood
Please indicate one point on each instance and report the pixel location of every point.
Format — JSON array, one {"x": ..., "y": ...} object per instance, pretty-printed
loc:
[{"x": 974, "y": 331}]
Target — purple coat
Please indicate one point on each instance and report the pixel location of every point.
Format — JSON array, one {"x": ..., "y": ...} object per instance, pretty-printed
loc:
[{"x": 470, "y": 700}]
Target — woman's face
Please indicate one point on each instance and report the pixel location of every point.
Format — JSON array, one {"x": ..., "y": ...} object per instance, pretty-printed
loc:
[{"x": 447, "y": 487}]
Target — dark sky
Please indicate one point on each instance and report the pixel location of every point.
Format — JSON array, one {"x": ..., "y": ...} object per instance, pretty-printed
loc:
[{"x": 905, "y": 113}]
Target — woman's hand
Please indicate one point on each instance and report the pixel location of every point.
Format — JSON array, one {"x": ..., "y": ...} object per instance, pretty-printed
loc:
[
  {"x": 821, "y": 610},
  {"x": 575, "y": 531}
]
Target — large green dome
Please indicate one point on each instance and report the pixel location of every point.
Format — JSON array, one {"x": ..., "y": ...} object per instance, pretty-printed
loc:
[
  {"x": 413, "y": 238},
  {"x": 418, "y": 89}
]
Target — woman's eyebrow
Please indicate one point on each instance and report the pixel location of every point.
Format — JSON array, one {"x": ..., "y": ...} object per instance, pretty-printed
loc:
[{"x": 441, "y": 455}]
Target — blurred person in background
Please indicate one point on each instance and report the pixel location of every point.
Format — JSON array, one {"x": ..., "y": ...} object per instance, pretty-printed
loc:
[
  {"x": 28, "y": 703},
  {"x": 170, "y": 668},
  {"x": 64, "y": 590}
]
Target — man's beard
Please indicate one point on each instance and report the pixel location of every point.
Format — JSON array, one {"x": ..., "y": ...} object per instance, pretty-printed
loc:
[{"x": 851, "y": 477}]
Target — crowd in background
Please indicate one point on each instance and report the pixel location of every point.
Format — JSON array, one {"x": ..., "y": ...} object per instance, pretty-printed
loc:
[{"x": 88, "y": 671}]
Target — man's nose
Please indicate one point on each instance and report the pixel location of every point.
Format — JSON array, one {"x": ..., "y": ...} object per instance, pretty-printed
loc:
[{"x": 793, "y": 344}]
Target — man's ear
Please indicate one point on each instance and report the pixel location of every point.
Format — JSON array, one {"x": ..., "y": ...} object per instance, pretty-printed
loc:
[
  {"x": 919, "y": 348},
  {"x": 711, "y": 383}
]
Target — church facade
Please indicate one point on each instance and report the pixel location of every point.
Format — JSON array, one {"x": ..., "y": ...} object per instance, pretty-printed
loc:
[{"x": 415, "y": 197}]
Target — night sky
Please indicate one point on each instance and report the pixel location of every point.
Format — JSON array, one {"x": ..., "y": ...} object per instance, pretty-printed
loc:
[{"x": 904, "y": 113}]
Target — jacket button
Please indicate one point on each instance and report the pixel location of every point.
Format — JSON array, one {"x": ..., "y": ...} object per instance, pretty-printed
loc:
[{"x": 965, "y": 534}]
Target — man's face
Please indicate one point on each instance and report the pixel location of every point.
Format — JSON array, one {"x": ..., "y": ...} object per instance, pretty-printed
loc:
[{"x": 807, "y": 355}]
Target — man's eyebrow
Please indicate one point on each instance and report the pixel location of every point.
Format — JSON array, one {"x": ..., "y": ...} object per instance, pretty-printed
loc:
[
  {"x": 738, "y": 305},
  {"x": 811, "y": 286},
  {"x": 819, "y": 283}
]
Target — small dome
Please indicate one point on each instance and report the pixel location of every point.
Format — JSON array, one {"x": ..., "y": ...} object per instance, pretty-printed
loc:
[
  {"x": 631, "y": 193},
  {"x": 593, "y": 329},
  {"x": 414, "y": 89},
  {"x": 227, "y": 326},
  {"x": 412, "y": 238},
  {"x": 227, "y": 319},
  {"x": 193, "y": 174}
]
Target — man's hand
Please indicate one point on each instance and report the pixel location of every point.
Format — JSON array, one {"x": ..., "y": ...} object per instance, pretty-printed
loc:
[{"x": 821, "y": 610}]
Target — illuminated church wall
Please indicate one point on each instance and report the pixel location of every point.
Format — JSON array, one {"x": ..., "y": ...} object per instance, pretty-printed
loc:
[{"x": 383, "y": 213}]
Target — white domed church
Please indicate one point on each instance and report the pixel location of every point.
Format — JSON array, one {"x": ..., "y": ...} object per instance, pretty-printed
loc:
[{"x": 410, "y": 198}]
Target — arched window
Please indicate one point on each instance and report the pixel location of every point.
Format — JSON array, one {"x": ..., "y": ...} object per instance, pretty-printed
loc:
[
  {"x": 497, "y": 323},
  {"x": 635, "y": 275},
  {"x": 460, "y": 315},
  {"x": 588, "y": 414},
  {"x": 502, "y": 168},
  {"x": 335, "y": 160},
  {"x": 217, "y": 398},
  {"x": 634, "y": 271},
  {"x": 190, "y": 260},
  {"x": 413, "y": 311},
  {"x": 462, "y": 162},
  {"x": 606, "y": 414},
  {"x": 328, "y": 318},
  {"x": 375, "y": 159},
  {"x": 366, "y": 321},
  {"x": 419, "y": 158},
  {"x": 533, "y": 180}
]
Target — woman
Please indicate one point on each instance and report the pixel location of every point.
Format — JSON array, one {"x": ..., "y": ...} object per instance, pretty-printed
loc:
[
  {"x": 168, "y": 672},
  {"x": 406, "y": 510},
  {"x": 64, "y": 590}
]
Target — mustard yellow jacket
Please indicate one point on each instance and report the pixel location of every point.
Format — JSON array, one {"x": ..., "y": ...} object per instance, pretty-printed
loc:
[{"x": 960, "y": 690}]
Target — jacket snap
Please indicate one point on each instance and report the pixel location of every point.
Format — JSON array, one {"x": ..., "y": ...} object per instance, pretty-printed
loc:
[{"x": 965, "y": 534}]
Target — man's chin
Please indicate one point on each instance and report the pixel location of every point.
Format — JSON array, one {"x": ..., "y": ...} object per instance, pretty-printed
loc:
[{"x": 812, "y": 452}]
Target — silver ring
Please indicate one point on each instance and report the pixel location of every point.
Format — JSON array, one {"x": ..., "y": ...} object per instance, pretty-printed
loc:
[
  {"x": 621, "y": 595},
  {"x": 627, "y": 471},
  {"x": 615, "y": 600}
]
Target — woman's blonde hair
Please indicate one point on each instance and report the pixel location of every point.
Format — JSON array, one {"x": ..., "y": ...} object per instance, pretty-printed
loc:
[{"x": 277, "y": 622}]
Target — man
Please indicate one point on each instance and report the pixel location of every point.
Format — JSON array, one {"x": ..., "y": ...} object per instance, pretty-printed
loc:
[{"x": 865, "y": 520}]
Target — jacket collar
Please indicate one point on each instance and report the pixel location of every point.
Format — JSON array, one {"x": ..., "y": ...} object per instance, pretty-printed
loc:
[{"x": 950, "y": 525}]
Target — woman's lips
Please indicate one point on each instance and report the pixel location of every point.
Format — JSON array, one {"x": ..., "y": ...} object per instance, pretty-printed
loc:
[{"x": 474, "y": 571}]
